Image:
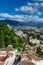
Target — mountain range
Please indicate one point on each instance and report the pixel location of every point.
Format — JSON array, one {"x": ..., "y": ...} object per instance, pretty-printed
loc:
[{"x": 19, "y": 23}]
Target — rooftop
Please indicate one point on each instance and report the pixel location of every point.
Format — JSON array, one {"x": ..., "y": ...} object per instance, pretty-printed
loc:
[{"x": 9, "y": 48}]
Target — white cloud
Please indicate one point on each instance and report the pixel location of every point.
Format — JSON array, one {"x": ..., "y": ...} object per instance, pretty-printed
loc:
[
  {"x": 6, "y": 15},
  {"x": 11, "y": 17},
  {"x": 41, "y": 4},
  {"x": 26, "y": 9},
  {"x": 30, "y": 8},
  {"x": 38, "y": 0},
  {"x": 25, "y": 18},
  {"x": 16, "y": 9},
  {"x": 30, "y": 4},
  {"x": 36, "y": 5},
  {"x": 39, "y": 13},
  {"x": 22, "y": 18}
]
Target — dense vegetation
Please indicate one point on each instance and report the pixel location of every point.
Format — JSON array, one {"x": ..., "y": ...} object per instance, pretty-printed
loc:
[
  {"x": 8, "y": 37},
  {"x": 39, "y": 52}
]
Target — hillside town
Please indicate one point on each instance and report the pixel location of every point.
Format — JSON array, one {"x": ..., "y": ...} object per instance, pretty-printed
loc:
[
  {"x": 31, "y": 51},
  {"x": 21, "y": 32}
]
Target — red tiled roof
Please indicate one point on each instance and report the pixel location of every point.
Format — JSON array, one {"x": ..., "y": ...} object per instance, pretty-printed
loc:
[
  {"x": 2, "y": 58},
  {"x": 24, "y": 56}
]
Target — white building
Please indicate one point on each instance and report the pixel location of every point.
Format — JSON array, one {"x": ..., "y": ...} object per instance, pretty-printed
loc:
[
  {"x": 19, "y": 33},
  {"x": 35, "y": 41},
  {"x": 38, "y": 62},
  {"x": 9, "y": 53}
]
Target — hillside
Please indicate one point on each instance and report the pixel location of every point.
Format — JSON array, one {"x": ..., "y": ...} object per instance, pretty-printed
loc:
[{"x": 8, "y": 37}]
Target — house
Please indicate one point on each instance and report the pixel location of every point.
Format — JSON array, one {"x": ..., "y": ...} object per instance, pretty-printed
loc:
[
  {"x": 37, "y": 31},
  {"x": 34, "y": 41},
  {"x": 3, "y": 55},
  {"x": 28, "y": 48},
  {"x": 19, "y": 33},
  {"x": 24, "y": 57},
  {"x": 9, "y": 48},
  {"x": 41, "y": 37},
  {"x": 8, "y": 55}
]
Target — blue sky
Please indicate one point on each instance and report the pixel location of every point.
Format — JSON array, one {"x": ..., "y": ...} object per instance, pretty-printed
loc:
[{"x": 21, "y": 10}]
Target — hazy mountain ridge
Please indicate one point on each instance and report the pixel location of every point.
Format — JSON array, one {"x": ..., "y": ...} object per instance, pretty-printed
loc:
[{"x": 19, "y": 23}]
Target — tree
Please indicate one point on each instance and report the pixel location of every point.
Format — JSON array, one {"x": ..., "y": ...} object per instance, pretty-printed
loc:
[
  {"x": 7, "y": 40},
  {"x": 38, "y": 51},
  {"x": 2, "y": 39},
  {"x": 8, "y": 37}
]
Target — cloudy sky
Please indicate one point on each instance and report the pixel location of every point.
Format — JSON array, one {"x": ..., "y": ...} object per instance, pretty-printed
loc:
[{"x": 21, "y": 10}]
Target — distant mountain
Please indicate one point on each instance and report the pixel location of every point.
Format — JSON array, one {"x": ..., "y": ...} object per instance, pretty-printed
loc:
[
  {"x": 11, "y": 22},
  {"x": 19, "y": 23},
  {"x": 14, "y": 23}
]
